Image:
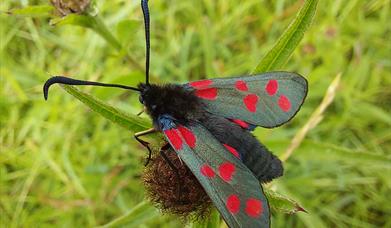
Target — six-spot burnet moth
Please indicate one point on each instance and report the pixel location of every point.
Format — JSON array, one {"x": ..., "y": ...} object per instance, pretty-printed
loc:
[{"x": 208, "y": 123}]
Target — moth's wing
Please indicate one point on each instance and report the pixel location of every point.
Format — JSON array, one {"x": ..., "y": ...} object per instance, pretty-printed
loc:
[
  {"x": 234, "y": 190},
  {"x": 266, "y": 100}
]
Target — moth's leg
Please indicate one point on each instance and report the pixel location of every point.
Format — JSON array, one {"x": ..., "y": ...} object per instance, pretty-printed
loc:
[
  {"x": 145, "y": 143},
  {"x": 141, "y": 112},
  {"x": 162, "y": 152},
  {"x": 172, "y": 166}
]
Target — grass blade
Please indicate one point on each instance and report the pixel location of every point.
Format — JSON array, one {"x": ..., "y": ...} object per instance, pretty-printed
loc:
[
  {"x": 135, "y": 217},
  {"x": 291, "y": 37}
]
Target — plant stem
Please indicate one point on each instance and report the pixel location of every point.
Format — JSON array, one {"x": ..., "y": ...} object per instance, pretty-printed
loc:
[{"x": 103, "y": 31}]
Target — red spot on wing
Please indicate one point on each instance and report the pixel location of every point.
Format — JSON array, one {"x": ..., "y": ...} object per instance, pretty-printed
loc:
[
  {"x": 233, "y": 204},
  {"x": 254, "y": 208},
  {"x": 241, "y": 85},
  {"x": 208, "y": 94},
  {"x": 251, "y": 101},
  {"x": 201, "y": 84},
  {"x": 188, "y": 136},
  {"x": 240, "y": 123},
  {"x": 271, "y": 87},
  {"x": 207, "y": 171},
  {"x": 227, "y": 170},
  {"x": 174, "y": 138},
  {"x": 232, "y": 150},
  {"x": 284, "y": 103}
]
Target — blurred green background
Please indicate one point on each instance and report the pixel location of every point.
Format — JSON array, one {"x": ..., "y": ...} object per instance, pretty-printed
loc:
[{"x": 62, "y": 164}]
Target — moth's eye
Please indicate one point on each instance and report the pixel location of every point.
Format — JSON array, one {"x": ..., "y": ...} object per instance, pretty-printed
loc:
[
  {"x": 153, "y": 107},
  {"x": 141, "y": 99}
]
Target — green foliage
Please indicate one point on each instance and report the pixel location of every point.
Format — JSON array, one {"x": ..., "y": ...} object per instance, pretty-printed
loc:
[
  {"x": 34, "y": 11},
  {"x": 288, "y": 41},
  {"x": 62, "y": 164},
  {"x": 138, "y": 215},
  {"x": 88, "y": 21},
  {"x": 281, "y": 204}
]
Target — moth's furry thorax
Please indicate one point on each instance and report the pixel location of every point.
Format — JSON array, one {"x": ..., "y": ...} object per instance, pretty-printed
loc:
[{"x": 171, "y": 100}]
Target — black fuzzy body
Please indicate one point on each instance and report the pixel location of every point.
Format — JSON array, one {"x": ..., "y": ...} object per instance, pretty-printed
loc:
[
  {"x": 172, "y": 100},
  {"x": 185, "y": 108}
]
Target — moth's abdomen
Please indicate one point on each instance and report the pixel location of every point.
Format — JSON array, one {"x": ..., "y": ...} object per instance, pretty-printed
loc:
[{"x": 264, "y": 165}]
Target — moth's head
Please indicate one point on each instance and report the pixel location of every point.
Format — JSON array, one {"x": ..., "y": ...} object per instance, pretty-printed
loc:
[
  {"x": 170, "y": 99},
  {"x": 148, "y": 97},
  {"x": 144, "y": 89}
]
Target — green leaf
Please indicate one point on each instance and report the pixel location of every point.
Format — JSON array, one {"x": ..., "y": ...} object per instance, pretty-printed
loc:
[
  {"x": 75, "y": 19},
  {"x": 34, "y": 11},
  {"x": 140, "y": 214},
  {"x": 128, "y": 121},
  {"x": 126, "y": 30},
  {"x": 287, "y": 43},
  {"x": 280, "y": 203},
  {"x": 91, "y": 22}
]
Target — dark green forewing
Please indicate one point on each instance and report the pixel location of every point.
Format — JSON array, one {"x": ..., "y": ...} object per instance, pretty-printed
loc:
[
  {"x": 233, "y": 188},
  {"x": 266, "y": 100}
]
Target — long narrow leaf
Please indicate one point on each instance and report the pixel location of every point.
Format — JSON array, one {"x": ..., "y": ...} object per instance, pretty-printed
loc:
[
  {"x": 282, "y": 204},
  {"x": 128, "y": 121},
  {"x": 289, "y": 40},
  {"x": 34, "y": 11}
]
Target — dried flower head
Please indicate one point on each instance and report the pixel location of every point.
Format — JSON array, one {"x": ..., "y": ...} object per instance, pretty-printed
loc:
[
  {"x": 65, "y": 7},
  {"x": 162, "y": 186}
]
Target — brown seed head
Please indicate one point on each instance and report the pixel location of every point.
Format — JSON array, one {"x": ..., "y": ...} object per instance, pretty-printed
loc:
[
  {"x": 162, "y": 187},
  {"x": 65, "y": 7}
]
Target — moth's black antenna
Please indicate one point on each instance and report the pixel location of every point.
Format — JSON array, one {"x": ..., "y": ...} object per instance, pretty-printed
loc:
[
  {"x": 144, "y": 7},
  {"x": 70, "y": 81}
]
